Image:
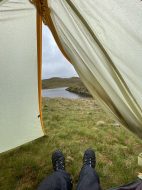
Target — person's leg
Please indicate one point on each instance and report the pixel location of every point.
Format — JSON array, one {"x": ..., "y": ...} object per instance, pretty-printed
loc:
[
  {"x": 89, "y": 179},
  {"x": 60, "y": 179}
]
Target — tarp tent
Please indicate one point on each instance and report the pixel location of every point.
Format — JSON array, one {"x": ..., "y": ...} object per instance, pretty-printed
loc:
[
  {"x": 103, "y": 41},
  {"x": 19, "y": 74}
]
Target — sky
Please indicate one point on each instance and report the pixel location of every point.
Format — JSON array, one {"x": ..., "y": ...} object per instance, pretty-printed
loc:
[{"x": 54, "y": 64}]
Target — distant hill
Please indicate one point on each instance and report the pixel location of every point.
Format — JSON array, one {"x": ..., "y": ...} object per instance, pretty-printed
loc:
[
  {"x": 73, "y": 84},
  {"x": 61, "y": 82}
]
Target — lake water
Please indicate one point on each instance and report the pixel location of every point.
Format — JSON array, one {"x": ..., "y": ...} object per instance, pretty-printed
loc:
[{"x": 59, "y": 92}]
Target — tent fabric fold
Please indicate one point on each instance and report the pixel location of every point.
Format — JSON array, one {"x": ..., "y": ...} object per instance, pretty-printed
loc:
[{"x": 103, "y": 41}]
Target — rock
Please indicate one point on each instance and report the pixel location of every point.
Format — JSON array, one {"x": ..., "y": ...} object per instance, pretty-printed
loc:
[
  {"x": 69, "y": 159},
  {"x": 100, "y": 123},
  {"x": 116, "y": 124}
]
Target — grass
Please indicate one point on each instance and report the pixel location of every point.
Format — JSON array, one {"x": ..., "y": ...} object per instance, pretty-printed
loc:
[{"x": 73, "y": 126}]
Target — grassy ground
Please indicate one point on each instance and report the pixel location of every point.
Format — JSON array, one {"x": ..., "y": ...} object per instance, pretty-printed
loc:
[{"x": 73, "y": 126}]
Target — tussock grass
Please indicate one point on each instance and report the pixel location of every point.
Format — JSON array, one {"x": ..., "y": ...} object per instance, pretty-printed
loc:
[{"x": 71, "y": 125}]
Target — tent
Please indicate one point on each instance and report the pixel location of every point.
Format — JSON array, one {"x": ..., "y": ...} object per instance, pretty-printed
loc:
[
  {"x": 20, "y": 74},
  {"x": 102, "y": 40}
]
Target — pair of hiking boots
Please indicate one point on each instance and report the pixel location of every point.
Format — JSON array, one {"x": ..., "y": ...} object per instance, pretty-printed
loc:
[{"x": 58, "y": 159}]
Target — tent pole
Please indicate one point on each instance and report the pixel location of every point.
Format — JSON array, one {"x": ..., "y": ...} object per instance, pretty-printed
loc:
[{"x": 39, "y": 58}]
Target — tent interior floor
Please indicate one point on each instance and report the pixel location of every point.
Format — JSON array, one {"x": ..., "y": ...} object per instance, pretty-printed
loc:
[{"x": 73, "y": 126}]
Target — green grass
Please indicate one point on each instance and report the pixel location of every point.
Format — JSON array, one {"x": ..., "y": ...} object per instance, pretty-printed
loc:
[{"x": 72, "y": 126}]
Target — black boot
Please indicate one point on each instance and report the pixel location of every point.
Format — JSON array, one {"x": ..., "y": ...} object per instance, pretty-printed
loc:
[
  {"x": 58, "y": 160},
  {"x": 89, "y": 158}
]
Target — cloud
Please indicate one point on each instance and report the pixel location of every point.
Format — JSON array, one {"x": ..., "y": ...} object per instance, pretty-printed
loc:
[{"x": 54, "y": 63}]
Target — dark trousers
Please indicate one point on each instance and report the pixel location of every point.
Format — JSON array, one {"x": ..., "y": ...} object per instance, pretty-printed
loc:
[{"x": 61, "y": 180}]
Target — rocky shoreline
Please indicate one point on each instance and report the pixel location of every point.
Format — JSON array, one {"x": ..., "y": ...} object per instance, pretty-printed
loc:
[{"x": 82, "y": 91}]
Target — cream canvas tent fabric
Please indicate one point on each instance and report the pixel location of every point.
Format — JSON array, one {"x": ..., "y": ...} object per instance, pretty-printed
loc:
[
  {"x": 19, "y": 108},
  {"x": 103, "y": 41}
]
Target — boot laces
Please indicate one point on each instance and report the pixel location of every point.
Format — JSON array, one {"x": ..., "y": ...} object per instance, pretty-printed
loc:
[
  {"x": 89, "y": 161},
  {"x": 60, "y": 164}
]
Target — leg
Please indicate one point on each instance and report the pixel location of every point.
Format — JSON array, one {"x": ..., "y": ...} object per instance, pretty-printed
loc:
[
  {"x": 88, "y": 178},
  {"x": 59, "y": 180}
]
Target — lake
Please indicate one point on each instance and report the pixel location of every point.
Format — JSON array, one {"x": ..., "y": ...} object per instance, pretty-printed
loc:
[{"x": 59, "y": 92}]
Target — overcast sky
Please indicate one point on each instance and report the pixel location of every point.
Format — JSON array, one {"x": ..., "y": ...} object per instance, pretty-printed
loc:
[{"x": 54, "y": 63}]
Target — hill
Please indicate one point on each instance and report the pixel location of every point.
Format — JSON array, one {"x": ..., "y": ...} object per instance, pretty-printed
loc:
[
  {"x": 74, "y": 84},
  {"x": 61, "y": 82}
]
